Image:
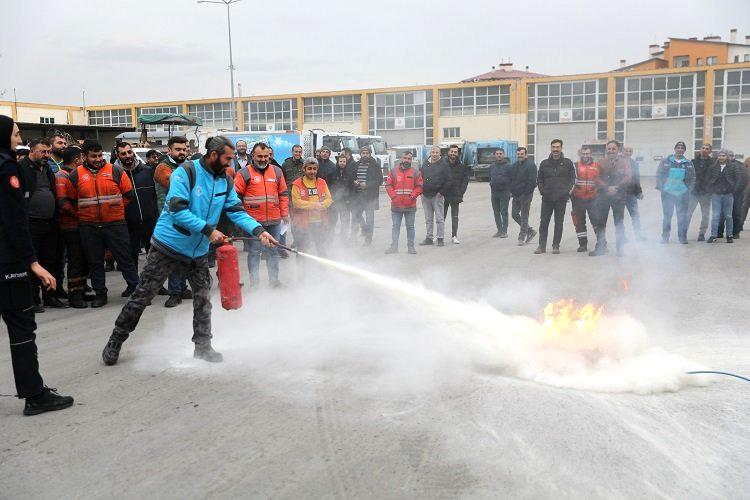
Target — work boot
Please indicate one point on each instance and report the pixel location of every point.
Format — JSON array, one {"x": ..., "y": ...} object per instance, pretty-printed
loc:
[
  {"x": 391, "y": 250},
  {"x": 701, "y": 237},
  {"x": 173, "y": 301},
  {"x": 111, "y": 352},
  {"x": 503, "y": 235},
  {"x": 187, "y": 294},
  {"x": 162, "y": 291},
  {"x": 75, "y": 300},
  {"x": 530, "y": 234},
  {"x": 37, "y": 308},
  {"x": 55, "y": 303},
  {"x": 99, "y": 301},
  {"x": 440, "y": 242},
  {"x": 60, "y": 293},
  {"x": 711, "y": 239},
  {"x": 412, "y": 250},
  {"x": 207, "y": 353},
  {"x": 48, "y": 400},
  {"x": 583, "y": 244},
  {"x": 730, "y": 239},
  {"x": 555, "y": 250},
  {"x": 109, "y": 266},
  {"x": 128, "y": 291},
  {"x": 539, "y": 250},
  {"x": 597, "y": 251},
  {"x": 497, "y": 234},
  {"x": 736, "y": 236},
  {"x": 427, "y": 241},
  {"x": 521, "y": 242}
]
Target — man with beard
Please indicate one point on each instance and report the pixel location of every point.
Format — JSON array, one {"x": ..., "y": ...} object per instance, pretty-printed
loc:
[
  {"x": 500, "y": 173},
  {"x": 141, "y": 213},
  {"x": 292, "y": 168},
  {"x": 42, "y": 207},
  {"x": 459, "y": 175},
  {"x": 102, "y": 191},
  {"x": 583, "y": 197},
  {"x": 67, "y": 205},
  {"x": 635, "y": 193},
  {"x": 615, "y": 182},
  {"x": 176, "y": 155},
  {"x": 57, "y": 144},
  {"x": 556, "y": 177},
  {"x": 152, "y": 158},
  {"x": 198, "y": 194},
  {"x": 700, "y": 195},
  {"x": 367, "y": 179},
  {"x": 241, "y": 159},
  {"x": 326, "y": 168},
  {"x": 523, "y": 183},
  {"x": 341, "y": 192},
  {"x": 265, "y": 197}
]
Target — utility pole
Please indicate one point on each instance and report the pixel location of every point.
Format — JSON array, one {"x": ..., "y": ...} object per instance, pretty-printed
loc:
[{"x": 231, "y": 61}]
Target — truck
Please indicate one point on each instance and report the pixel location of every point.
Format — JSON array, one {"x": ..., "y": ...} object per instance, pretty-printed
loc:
[
  {"x": 479, "y": 155},
  {"x": 379, "y": 150},
  {"x": 283, "y": 141}
]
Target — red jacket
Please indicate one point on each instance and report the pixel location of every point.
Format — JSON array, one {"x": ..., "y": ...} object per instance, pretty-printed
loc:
[
  {"x": 403, "y": 187},
  {"x": 101, "y": 194},
  {"x": 301, "y": 217},
  {"x": 67, "y": 201},
  {"x": 264, "y": 194},
  {"x": 587, "y": 180}
]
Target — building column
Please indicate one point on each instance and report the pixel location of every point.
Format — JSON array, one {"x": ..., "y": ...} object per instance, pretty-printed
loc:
[
  {"x": 435, "y": 115},
  {"x": 240, "y": 115},
  {"x": 519, "y": 109},
  {"x": 610, "y": 108},
  {"x": 365, "y": 113},
  {"x": 300, "y": 113},
  {"x": 708, "y": 106}
]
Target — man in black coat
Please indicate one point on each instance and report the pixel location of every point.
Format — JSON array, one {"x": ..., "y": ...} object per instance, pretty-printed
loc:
[
  {"x": 17, "y": 263},
  {"x": 522, "y": 185},
  {"x": 459, "y": 182},
  {"x": 366, "y": 181},
  {"x": 556, "y": 179},
  {"x": 500, "y": 181},
  {"x": 721, "y": 181},
  {"x": 436, "y": 182}
]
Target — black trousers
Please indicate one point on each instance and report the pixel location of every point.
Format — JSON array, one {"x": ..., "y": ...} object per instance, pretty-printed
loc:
[
  {"x": 500, "y": 201},
  {"x": 581, "y": 207},
  {"x": 115, "y": 238},
  {"x": 603, "y": 205},
  {"x": 77, "y": 267},
  {"x": 44, "y": 236},
  {"x": 15, "y": 309},
  {"x": 453, "y": 204},
  {"x": 519, "y": 210},
  {"x": 140, "y": 237},
  {"x": 548, "y": 208}
]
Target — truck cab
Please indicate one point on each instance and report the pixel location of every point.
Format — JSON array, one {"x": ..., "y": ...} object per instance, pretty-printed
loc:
[
  {"x": 379, "y": 150},
  {"x": 479, "y": 155}
]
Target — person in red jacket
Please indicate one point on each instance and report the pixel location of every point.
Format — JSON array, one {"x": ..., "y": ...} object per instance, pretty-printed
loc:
[
  {"x": 403, "y": 185},
  {"x": 584, "y": 194},
  {"x": 101, "y": 191},
  {"x": 263, "y": 190}
]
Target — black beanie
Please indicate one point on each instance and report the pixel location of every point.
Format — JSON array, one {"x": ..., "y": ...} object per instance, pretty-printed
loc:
[{"x": 6, "y": 130}]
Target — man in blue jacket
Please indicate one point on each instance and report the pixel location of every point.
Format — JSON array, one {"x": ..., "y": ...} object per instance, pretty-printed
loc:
[{"x": 198, "y": 194}]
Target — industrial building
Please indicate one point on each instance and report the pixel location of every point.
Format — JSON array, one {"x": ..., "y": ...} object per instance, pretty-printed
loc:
[{"x": 694, "y": 90}]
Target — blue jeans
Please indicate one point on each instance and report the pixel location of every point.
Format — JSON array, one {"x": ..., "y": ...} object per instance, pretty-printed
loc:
[
  {"x": 272, "y": 257},
  {"x": 408, "y": 217},
  {"x": 721, "y": 208},
  {"x": 670, "y": 203}
]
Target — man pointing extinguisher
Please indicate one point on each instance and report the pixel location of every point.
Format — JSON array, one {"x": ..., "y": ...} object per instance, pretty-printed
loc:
[{"x": 199, "y": 192}]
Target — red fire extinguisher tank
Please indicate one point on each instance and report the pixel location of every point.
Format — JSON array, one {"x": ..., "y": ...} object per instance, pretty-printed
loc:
[{"x": 229, "y": 276}]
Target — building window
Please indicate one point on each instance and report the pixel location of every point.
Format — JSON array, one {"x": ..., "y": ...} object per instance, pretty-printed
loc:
[
  {"x": 747, "y": 58},
  {"x": 471, "y": 101},
  {"x": 401, "y": 110},
  {"x": 154, "y": 110},
  {"x": 47, "y": 119},
  {"x": 340, "y": 108},
  {"x": 111, "y": 117},
  {"x": 657, "y": 97},
  {"x": 681, "y": 61},
  {"x": 732, "y": 92},
  {"x": 451, "y": 132},
  {"x": 574, "y": 101},
  {"x": 711, "y": 60},
  {"x": 216, "y": 115},
  {"x": 699, "y": 61},
  {"x": 261, "y": 116}
]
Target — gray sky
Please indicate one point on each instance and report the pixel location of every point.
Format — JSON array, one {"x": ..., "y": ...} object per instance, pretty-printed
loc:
[{"x": 147, "y": 50}]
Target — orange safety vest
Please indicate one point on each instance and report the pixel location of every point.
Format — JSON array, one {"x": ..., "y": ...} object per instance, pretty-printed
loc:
[
  {"x": 587, "y": 180},
  {"x": 264, "y": 195},
  {"x": 102, "y": 194},
  {"x": 301, "y": 217},
  {"x": 66, "y": 201}
]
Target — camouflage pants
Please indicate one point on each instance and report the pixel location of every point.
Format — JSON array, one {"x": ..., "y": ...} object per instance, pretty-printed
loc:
[{"x": 158, "y": 266}]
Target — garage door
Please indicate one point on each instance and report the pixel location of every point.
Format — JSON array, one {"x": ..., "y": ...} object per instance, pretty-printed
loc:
[
  {"x": 737, "y": 134},
  {"x": 399, "y": 137},
  {"x": 653, "y": 140},
  {"x": 572, "y": 135}
]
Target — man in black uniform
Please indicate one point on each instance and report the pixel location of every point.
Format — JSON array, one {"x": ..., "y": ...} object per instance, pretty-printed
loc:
[{"x": 17, "y": 258}]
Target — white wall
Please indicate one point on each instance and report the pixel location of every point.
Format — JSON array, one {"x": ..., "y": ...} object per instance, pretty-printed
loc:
[
  {"x": 740, "y": 51},
  {"x": 485, "y": 127},
  {"x": 6, "y": 110},
  {"x": 654, "y": 139},
  {"x": 32, "y": 115},
  {"x": 737, "y": 134},
  {"x": 573, "y": 136}
]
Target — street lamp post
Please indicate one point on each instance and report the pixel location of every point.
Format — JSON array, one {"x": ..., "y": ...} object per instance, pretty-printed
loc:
[{"x": 231, "y": 61}]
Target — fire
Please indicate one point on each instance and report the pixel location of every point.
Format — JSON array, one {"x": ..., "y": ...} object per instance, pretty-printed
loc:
[
  {"x": 625, "y": 285},
  {"x": 565, "y": 317}
]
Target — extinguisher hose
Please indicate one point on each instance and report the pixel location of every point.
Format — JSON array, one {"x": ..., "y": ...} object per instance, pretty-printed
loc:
[{"x": 255, "y": 238}]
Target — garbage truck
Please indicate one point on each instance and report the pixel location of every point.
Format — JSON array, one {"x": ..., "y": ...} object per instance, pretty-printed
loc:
[
  {"x": 283, "y": 141},
  {"x": 479, "y": 155}
]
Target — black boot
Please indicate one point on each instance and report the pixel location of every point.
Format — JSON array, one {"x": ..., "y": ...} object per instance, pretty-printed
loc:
[
  {"x": 583, "y": 244},
  {"x": 99, "y": 301},
  {"x": 75, "y": 300},
  {"x": 48, "y": 400},
  {"x": 111, "y": 352},
  {"x": 207, "y": 353}
]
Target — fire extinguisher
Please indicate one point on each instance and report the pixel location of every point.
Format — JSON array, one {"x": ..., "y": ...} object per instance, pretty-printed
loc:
[{"x": 229, "y": 276}]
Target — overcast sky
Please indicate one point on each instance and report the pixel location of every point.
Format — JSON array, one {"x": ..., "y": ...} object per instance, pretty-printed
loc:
[{"x": 145, "y": 50}]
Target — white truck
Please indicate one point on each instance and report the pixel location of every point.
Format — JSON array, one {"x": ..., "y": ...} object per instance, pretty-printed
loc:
[
  {"x": 379, "y": 150},
  {"x": 283, "y": 141}
]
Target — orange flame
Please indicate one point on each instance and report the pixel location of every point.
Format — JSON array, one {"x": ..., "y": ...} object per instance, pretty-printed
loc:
[
  {"x": 625, "y": 286},
  {"x": 564, "y": 317}
]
